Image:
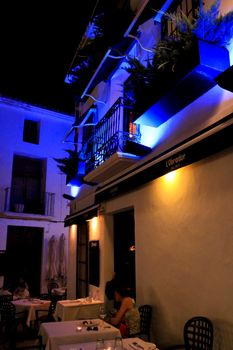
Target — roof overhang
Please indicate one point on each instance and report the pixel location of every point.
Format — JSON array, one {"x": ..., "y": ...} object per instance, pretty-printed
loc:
[
  {"x": 114, "y": 165},
  {"x": 207, "y": 142}
]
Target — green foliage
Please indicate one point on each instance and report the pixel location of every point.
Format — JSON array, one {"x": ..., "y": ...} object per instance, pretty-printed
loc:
[
  {"x": 68, "y": 165},
  {"x": 174, "y": 55},
  {"x": 212, "y": 26}
]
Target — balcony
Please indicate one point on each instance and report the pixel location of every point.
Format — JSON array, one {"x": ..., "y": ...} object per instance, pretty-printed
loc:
[
  {"x": 43, "y": 205},
  {"x": 114, "y": 144}
]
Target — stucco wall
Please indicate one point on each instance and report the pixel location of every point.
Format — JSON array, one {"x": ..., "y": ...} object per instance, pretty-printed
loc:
[
  {"x": 184, "y": 242},
  {"x": 53, "y": 126}
]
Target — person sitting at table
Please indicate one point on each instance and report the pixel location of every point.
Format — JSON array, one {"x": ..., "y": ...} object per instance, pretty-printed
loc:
[
  {"x": 21, "y": 292},
  {"x": 127, "y": 317}
]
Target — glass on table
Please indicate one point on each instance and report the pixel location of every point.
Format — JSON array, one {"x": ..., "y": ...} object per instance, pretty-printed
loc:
[
  {"x": 102, "y": 312},
  {"x": 118, "y": 345},
  {"x": 100, "y": 344}
]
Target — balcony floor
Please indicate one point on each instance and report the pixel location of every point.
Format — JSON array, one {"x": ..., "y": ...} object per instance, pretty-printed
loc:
[{"x": 116, "y": 163}]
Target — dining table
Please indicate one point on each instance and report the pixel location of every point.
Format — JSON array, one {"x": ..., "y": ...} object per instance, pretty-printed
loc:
[
  {"x": 55, "y": 334},
  {"x": 67, "y": 310},
  {"x": 127, "y": 344},
  {"x": 30, "y": 306}
]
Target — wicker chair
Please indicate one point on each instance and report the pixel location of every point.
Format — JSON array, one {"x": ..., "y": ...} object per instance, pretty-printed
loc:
[
  {"x": 145, "y": 321},
  {"x": 198, "y": 334}
]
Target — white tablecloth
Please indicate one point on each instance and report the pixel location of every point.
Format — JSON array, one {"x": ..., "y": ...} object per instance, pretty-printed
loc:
[
  {"x": 30, "y": 305},
  {"x": 67, "y": 310},
  {"x": 55, "y": 334},
  {"x": 128, "y": 344}
]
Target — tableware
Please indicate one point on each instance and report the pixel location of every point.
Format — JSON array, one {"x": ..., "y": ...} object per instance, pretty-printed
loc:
[
  {"x": 102, "y": 312},
  {"x": 100, "y": 344},
  {"x": 88, "y": 323},
  {"x": 118, "y": 345}
]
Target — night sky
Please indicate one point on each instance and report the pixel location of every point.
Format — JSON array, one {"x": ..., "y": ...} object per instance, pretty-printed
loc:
[{"x": 38, "y": 43}]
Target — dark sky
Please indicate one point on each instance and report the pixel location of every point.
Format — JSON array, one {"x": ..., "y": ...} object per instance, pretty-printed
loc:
[{"x": 38, "y": 42}]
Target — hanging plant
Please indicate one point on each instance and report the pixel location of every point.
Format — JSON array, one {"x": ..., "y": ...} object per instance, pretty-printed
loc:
[
  {"x": 174, "y": 55},
  {"x": 69, "y": 165}
]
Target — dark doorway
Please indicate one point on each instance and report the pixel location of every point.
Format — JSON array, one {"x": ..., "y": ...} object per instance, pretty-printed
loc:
[
  {"x": 124, "y": 249},
  {"x": 82, "y": 261},
  {"x": 23, "y": 258}
]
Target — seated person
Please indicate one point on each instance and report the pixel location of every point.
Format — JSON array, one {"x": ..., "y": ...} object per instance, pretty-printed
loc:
[
  {"x": 21, "y": 292},
  {"x": 127, "y": 317}
]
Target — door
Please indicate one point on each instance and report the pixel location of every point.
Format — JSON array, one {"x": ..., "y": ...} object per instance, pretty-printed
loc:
[
  {"x": 24, "y": 251},
  {"x": 82, "y": 261},
  {"x": 124, "y": 249}
]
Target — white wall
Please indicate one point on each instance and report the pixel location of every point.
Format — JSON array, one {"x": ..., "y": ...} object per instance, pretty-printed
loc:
[
  {"x": 53, "y": 127},
  {"x": 184, "y": 243}
]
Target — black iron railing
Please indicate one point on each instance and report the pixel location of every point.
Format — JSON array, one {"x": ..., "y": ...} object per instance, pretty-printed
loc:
[
  {"x": 43, "y": 204},
  {"x": 110, "y": 135}
]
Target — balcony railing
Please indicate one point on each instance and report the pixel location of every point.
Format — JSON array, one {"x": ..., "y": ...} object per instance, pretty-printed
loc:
[
  {"x": 44, "y": 205},
  {"x": 113, "y": 133}
]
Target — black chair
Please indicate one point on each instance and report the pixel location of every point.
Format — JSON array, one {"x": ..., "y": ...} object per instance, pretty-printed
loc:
[
  {"x": 198, "y": 335},
  {"x": 145, "y": 321},
  {"x": 46, "y": 315},
  {"x": 8, "y": 297},
  {"x": 51, "y": 285},
  {"x": 34, "y": 342},
  {"x": 9, "y": 324},
  {"x": 45, "y": 296}
]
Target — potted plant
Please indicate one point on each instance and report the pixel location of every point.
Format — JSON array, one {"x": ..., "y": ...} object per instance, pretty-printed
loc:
[
  {"x": 183, "y": 67},
  {"x": 71, "y": 167}
]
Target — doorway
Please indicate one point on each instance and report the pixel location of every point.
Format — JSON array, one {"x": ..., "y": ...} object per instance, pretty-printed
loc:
[
  {"x": 124, "y": 249},
  {"x": 23, "y": 257},
  {"x": 82, "y": 260}
]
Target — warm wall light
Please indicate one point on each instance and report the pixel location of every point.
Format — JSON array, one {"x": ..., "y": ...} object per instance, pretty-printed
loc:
[
  {"x": 170, "y": 176},
  {"x": 94, "y": 223}
]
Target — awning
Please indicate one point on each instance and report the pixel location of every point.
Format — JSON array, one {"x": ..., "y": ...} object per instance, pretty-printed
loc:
[{"x": 81, "y": 216}]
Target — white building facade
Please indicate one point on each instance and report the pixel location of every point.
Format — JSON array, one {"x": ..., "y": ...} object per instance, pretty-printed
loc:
[
  {"x": 32, "y": 207},
  {"x": 179, "y": 195}
]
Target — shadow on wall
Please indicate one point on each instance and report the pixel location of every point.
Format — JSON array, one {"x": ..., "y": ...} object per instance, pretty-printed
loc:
[{"x": 223, "y": 335}]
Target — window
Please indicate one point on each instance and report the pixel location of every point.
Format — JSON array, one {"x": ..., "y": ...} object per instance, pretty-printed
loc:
[
  {"x": 31, "y": 131},
  {"x": 28, "y": 185}
]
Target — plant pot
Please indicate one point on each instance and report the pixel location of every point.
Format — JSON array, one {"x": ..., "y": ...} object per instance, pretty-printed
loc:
[
  {"x": 225, "y": 79},
  {"x": 209, "y": 61}
]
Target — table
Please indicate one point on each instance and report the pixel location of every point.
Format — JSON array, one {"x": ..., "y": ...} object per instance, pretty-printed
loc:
[
  {"x": 67, "y": 310},
  {"x": 30, "y": 306},
  {"x": 55, "y": 334},
  {"x": 128, "y": 344}
]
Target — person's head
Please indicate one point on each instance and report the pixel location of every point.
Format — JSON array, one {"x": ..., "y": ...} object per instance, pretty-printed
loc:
[
  {"x": 120, "y": 292},
  {"x": 22, "y": 285},
  {"x": 21, "y": 280}
]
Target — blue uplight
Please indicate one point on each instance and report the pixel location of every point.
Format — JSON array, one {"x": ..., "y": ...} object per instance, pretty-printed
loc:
[
  {"x": 74, "y": 190},
  {"x": 149, "y": 135}
]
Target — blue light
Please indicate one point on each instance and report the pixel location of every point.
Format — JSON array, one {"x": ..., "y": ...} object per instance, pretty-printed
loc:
[
  {"x": 149, "y": 135},
  {"x": 74, "y": 190}
]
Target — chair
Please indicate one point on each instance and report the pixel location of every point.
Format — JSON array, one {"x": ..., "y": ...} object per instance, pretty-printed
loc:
[
  {"x": 51, "y": 285},
  {"x": 46, "y": 315},
  {"x": 9, "y": 322},
  {"x": 145, "y": 321},
  {"x": 45, "y": 296},
  {"x": 34, "y": 342},
  {"x": 198, "y": 334},
  {"x": 8, "y": 297}
]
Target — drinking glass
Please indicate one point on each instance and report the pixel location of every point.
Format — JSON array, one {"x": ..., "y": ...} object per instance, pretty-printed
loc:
[
  {"x": 118, "y": 345},
  {"x": 99, "y": 344},
  {"x": 102, "y": 312}
]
